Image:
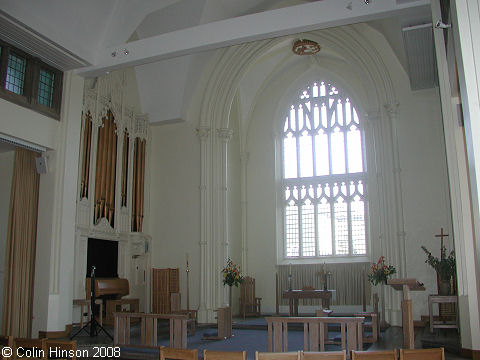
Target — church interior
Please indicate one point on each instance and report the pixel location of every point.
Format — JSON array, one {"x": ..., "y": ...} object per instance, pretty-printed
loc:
[{"x": 322, "y": 151}]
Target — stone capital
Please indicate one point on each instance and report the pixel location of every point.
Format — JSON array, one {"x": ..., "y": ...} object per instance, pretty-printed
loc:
[
  {"x": 224, "y": 134},
  {"x": 203, "y": 132},
  {"x": 392, "y": 110}
]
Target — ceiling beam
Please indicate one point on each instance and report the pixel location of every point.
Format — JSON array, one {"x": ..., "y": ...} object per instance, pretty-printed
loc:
[{"x": 259, "y": 26}]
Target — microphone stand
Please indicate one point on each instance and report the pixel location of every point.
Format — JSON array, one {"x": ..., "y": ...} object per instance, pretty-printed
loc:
[{"x": 93, "y": 323}]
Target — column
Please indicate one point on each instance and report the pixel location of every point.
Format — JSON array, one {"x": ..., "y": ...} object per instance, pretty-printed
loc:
[
  {"x": 205, "y": 231},
  {"x": 393, "y": 115},
  {"x": 224, "y": 135},
  {"x": 244, "y": 156},
  {"x": 466, "y": 27}
]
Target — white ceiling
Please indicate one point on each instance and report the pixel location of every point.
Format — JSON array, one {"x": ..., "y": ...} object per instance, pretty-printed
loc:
[{"x": 156, "y": 30}]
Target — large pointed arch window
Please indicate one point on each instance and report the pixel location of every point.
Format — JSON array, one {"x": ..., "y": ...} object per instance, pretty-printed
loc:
[{"x": 324, "y": 176}]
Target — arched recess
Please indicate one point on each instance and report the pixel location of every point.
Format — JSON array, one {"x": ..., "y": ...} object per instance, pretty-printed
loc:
[{"x": 360, "y": 58}]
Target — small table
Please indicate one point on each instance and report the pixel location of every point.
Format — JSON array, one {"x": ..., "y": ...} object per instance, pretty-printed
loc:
[
  {"x": 442, "y": 299},
  {"x": 86, "y": 302},
  {"x": 294, "y": 295},
  {"x": 407, "y": 285}
]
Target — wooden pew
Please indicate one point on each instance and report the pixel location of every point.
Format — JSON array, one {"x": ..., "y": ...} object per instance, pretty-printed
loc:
[
  {"x": 178, "y": 329},
  {"x": 313, "y": 332}
]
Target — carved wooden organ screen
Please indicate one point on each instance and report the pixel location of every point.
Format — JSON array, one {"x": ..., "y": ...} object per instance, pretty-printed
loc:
[{"x": 112, "y": 171}]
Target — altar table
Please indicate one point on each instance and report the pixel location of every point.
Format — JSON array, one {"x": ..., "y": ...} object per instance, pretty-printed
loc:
[{"x": 294, "y": 295}]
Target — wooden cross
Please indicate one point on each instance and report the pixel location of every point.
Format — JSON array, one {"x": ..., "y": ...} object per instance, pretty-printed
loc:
[{"x": 441, "y": 236}]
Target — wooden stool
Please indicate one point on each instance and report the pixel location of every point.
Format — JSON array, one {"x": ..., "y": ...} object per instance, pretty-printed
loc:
[
  {"x": 86, "y": 302},
  {"x": 442, "y": 299}
]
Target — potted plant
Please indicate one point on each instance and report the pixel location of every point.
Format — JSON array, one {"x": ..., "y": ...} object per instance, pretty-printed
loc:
[{"x": 445, "y": 268}]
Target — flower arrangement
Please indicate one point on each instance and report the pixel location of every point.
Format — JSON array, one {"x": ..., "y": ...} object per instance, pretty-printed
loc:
[
  {"x": 445, "y": 266},
  {"x": 232, "y": 274},
  {"x": 380, "y": 272}
]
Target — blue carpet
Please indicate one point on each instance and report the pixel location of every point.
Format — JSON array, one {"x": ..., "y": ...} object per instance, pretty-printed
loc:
[{"x": 243, "y": 339}]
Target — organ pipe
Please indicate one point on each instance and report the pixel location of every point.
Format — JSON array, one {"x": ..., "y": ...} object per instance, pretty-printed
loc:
[
  {"x": 106, "y": 170},
  {"x": 138, "y": 184},
  {"x": 87, "y": 141}
]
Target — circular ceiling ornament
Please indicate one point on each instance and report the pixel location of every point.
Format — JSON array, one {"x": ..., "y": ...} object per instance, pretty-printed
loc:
[{"x": 305, "y": 47}]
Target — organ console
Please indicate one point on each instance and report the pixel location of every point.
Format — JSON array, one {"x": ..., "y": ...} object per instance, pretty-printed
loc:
[{"x": 111, "y": 291}]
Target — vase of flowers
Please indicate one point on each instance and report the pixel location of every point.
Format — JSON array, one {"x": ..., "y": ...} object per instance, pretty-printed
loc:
[
  {"x": 379, "y": 274},
  {"x": 231, "y": 276},
  {"x": 445, "y": 268}
]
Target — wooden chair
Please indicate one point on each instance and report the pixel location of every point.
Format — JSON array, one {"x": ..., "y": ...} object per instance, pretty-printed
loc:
[
  {"x": 224, "y": 355},
  {"x": 422, "y": 354},
  {"x": 324, "y": 355},
  {"x": 178, "y": 354},
  {"x": 30, "y": 348},
  {"x": 250, "y": 305},
  {"x": 374, "y": 355},
  {"x": 61, "y": 349},
  {"x": 175, "y": 306},
  {"x": 374, "y": 323},
  {"x": 5, "y": 341},
  {"x": 278, "y": 355}
]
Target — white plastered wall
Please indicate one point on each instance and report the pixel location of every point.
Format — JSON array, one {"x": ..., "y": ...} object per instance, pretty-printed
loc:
[
  {"x": 253, "y": 99},
  {"x": 56, "y": 215},
  {"x": 174, "y": 203},
  {"x": 422, "y": 168}
]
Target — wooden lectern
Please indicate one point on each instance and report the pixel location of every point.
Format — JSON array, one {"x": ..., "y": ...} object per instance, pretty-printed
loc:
[{"x": 406, "y": 285}]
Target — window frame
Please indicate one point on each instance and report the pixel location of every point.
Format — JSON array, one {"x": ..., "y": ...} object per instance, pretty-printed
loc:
[
  {"x": 29, "y": 98},
  {"x": 289, "y": 98}
]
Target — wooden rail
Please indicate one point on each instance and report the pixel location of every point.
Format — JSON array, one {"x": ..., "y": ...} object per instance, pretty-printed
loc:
[
  {"x": 314, "y": 332},
  {"x": 148, "y": 323}
]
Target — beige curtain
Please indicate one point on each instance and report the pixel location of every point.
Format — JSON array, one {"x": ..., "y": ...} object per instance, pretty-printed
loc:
[
  {"x": 348, "y": 280},
  {"x": 20, "y": 248}
]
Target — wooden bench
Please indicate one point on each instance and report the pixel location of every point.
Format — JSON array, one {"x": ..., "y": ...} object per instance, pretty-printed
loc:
[
  {"x": 314, "y": 332},
  {"x": 148, "y": 325}
]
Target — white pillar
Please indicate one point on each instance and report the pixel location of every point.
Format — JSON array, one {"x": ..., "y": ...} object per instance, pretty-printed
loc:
[
  {"x": 224, "y": 135},
  {"x": 205, "y": 311},
  {"x": 466, "y": 30},
  {"x": 400, "y": 250},
  {"x": 244, "y": 156},
  {"x": 59, "y": 194},
  {"x": 391, "y": 237}
]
